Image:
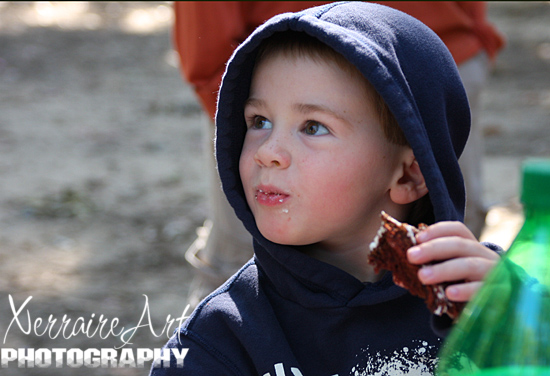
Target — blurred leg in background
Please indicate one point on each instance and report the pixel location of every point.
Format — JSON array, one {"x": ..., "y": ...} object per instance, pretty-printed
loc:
[
  {"x": 223, "y": 245},
  {"x": 474, "y": 73}
]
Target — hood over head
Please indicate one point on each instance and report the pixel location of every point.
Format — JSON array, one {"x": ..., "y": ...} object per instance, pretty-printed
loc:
[{"x": 406, "y": 63}]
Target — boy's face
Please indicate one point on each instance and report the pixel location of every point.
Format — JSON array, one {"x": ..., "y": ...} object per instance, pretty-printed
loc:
[{"x": 315, "y": 165}]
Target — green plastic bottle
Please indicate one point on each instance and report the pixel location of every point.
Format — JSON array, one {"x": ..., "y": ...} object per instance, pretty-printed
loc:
[{"x": 505, "y": 329}]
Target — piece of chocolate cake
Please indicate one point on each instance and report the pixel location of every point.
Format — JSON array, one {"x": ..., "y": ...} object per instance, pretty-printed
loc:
[{"x": 389, "y": 252}]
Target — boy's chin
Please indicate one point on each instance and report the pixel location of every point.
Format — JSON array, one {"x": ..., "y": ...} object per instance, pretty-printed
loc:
[{"x": 283, "y": 238}]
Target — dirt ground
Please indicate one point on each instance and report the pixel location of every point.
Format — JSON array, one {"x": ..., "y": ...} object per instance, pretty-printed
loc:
[{"x": 102, "y": 180}]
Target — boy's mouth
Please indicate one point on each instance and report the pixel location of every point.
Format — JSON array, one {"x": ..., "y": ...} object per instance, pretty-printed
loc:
[{"x": 270, "y": 196}]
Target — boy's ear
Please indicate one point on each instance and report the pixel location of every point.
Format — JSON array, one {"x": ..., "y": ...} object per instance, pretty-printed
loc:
[{"x": 410, "y": 184}]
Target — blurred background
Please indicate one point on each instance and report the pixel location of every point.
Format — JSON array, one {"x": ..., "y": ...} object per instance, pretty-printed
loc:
[{"x": 102, "y": 180}]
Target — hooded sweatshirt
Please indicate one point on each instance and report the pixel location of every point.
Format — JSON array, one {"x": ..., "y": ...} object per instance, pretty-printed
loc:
[{"x": 285, "y": 313}]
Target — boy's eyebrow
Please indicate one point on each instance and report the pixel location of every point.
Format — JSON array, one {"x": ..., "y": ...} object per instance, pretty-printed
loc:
[
  {"x": 305, "y": 108},
  {"x": 309, "y": 108},
  {"x": 255, "y": 102}
]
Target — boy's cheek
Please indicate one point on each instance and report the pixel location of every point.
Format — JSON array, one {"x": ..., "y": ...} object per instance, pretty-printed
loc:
[{"x": 244, "y": 167}]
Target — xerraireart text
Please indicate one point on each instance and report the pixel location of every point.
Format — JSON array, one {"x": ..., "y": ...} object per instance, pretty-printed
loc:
[{"x": 96, "y": 325}]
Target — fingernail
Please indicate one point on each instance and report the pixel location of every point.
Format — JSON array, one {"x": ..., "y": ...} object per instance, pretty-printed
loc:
[
  {"x": 422, "y": 237},
  {"x": 414, "y": 253},
  {"x": 426, "y": 272},
  {"x": 452, "y": 292}
]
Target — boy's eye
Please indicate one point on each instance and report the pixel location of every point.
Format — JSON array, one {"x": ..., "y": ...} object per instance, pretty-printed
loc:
[
  {"x": 314, "y": 128},
  {"x": 260, "y": 122}
]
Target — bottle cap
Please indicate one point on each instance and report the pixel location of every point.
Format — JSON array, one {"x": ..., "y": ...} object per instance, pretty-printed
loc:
[{"x": 536, "y": 182}]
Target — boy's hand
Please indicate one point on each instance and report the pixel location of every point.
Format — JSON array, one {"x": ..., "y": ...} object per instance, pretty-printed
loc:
[{"x": 459, "y": 257}]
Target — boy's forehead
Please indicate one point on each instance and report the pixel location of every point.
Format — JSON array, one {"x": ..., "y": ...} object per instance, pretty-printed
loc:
[
  {"x": 278, "y": 64},
  {"x": 310, "y": 88}
]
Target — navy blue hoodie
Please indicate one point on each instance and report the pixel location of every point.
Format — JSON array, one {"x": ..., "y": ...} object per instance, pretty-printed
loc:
[{"x": 285, "y": 313}]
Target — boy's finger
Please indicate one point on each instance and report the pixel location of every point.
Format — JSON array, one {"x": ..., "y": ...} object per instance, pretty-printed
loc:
[
  {"x": 445, "y": 229},
  {"x": 448, "y": 248},
  {"x": 462, "y": 292},
  {"x": 464, "y": 268}
]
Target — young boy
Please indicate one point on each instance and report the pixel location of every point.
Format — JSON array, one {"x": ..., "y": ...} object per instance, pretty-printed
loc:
[{"x": 327, "y": 117}]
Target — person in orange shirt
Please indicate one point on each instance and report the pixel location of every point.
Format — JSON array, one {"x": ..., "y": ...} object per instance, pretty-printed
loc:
[{"x": 205, "y": 35}]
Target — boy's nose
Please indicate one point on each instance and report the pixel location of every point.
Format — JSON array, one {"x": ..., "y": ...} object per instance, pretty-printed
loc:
[{"x": 273, "y": 152}]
